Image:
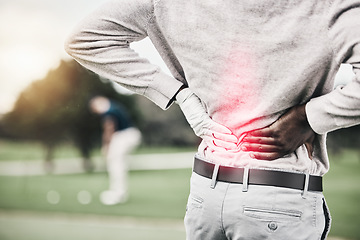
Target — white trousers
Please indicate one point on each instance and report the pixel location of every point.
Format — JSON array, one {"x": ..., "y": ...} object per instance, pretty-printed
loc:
[
  {"x": 122, "y": 142},
  {"x": 227, "y": 212}
]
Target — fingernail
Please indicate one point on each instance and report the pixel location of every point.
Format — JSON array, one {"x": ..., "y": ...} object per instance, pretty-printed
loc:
[
  {"x": 252, "y": 155},
  {"x": 243, "y": 148}
]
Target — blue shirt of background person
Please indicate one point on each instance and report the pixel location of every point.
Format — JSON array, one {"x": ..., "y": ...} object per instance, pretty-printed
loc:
[{"x": 118, "y": 115}]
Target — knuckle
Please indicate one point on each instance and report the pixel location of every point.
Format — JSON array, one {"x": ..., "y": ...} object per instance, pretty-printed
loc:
[
  {"x": 275, "y": 133},
  {"x": 281, "y": 143}
]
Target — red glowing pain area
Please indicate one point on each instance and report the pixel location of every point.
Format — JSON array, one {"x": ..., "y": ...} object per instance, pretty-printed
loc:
[{"x": 238, "y": 95}]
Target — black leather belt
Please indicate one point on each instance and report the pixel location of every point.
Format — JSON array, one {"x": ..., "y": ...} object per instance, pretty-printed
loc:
[{"x": 259, "y": 176}]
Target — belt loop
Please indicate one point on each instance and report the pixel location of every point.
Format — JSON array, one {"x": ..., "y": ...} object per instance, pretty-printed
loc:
[
  {"x": 214, "y": 175},
  {"x": 245, "y": 180},
  {"x": 306, "y": 185}
]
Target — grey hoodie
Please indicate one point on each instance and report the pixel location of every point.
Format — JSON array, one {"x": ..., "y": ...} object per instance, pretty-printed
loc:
[{"x": 248, "y": 62}]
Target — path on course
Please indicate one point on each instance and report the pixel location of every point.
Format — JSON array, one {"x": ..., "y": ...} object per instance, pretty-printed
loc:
[{"x": 70, "y": 166}]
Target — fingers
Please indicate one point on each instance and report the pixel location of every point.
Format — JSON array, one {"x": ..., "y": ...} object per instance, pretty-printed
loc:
[
  {"x": 220, "y": 132},
  {"x": 261, "y": 145},
  {"x": 259, "y": 148},
  {"x": 259, "y": 140},
  {"x": 265, "y": 144},
  {"x": 264, "y": 132},
  {"x": 231, "y": 138},
  {"x": 216, "y": 135},
  {"x": 219, "y": 145},
  {"x": 266, "y": 156},
  {"x": 220, "y": 137},
  {"x": 310, "y": 146},
  {"x": 225, "y": 141},
  {"x": 309, "y": 149},
  {"x": 262, "y": 151},
  {"x": 218, "y": 128},
  {"x": 225, "y": 145},
  {"x": 220, "y": 140}
]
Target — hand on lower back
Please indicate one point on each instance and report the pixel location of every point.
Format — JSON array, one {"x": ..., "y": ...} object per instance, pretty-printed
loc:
[
  {"x": 214, "y": 134},
  {"x": 282, "y": 137}
]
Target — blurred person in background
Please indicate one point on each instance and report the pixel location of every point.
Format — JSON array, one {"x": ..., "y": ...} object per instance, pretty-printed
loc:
[
  {"x": 119, "y": 137},
  {"x": 255, "y": 80}
]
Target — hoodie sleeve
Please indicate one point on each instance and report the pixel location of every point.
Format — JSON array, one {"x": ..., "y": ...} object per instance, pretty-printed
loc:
[
  {"x": 341, "y": 107},
  {"x": 101, "y": 43}
]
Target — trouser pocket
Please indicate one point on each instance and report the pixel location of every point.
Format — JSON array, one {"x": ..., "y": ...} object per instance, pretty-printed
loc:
[
  {"x": 272, "y": 214},
  {"x": 278, "y": 213}
]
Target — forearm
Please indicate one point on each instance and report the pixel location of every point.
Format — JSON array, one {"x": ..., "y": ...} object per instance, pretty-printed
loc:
[
  {"x": 106, "y": 138},
  {"x": 338, "y": 109},
  {"x": 101, "y": 43},
  {"x": 341, "y": 107}
]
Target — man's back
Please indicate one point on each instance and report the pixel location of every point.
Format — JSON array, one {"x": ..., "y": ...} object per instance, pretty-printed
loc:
[{"x": 249, "y": 61}]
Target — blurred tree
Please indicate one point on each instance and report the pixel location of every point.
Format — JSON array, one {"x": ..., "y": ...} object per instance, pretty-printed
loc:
[{"x": 55, "y": 109}]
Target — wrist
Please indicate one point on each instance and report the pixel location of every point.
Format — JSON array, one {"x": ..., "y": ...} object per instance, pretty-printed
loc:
[{"x": 301, "y": 115}]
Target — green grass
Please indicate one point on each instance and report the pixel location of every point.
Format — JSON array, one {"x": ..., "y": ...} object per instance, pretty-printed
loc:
[
  {"x": 30, "y": 226},
  {"x": 162, "y": 194},
  {"x": 153, "y": 194},
  {"x": 342, "y": 192}
]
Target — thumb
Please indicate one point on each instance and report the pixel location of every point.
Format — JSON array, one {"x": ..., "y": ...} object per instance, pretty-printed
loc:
[{"x": 309, "y": 144}]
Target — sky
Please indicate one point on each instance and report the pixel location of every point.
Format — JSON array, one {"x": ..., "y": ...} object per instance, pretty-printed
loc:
[{"x": 32, "y": 35}]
